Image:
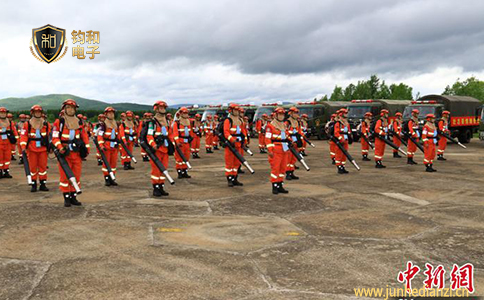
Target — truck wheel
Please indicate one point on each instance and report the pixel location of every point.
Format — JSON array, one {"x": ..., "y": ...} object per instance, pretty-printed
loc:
[{"x": 465, "y": 136}]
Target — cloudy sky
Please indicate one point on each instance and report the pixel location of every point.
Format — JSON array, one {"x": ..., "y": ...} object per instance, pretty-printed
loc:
[{"x": 248, "y": 51}]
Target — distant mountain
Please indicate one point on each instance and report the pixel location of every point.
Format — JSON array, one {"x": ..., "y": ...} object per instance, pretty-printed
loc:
[{"x": 54, "y": 101}]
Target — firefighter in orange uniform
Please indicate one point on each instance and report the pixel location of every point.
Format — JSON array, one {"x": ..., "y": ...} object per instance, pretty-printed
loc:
[
  {"x": 233, "y": 131},
  {"x": 17, "y": 137},
  {"x": 182, "y": 136},
  {"x": 429, "y": 139},
  {"x": 215, "y": 140},
  {"x": 208, "y": 128},
  {"x": 365, "y": 130},
  {"x": 71, "y": 140},
  {"x": 276, "y": 141},
  {"x": 329, "y": 127},
  {"x": 381, "y": 131},
  {"x": 413, "y": 132},
  {"x": 107, "y": 137},
  {"x": 8, "y": 134},
  {"x": 342, "y": 132},
  {"x": 159, "y": 137},
  {"x": 34, "y": 138},
  {"x": 396, "y": 128},
  {"x": 100, "y": 121},
  {"x": 146, "y": 119},
  {"x": 260, "y": 126},
  {"x": 197, "y": 135},
  {"x": 20, "y": 127},
  {"x": 294, "y": 131},
  {"x": 130, "y": 135},
  {"x": 443, "y": 126}
]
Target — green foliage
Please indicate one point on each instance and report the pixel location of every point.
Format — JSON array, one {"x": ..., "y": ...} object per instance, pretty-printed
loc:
[{"x": 472, "y": 87}]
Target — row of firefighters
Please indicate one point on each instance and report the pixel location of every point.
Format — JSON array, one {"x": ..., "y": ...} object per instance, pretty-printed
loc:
[{"x": 282, "y": 135}]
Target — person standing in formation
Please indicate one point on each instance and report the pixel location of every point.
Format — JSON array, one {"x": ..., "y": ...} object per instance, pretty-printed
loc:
[
  {"x": 197, "y": 135},
  {"x": 366, "y": 132},
  {"x": 277, "y": 139},
  {"x": 429, "y": 139},
  {"x": 209, "y": 130},
  {"x": 381, "y": 132},
  {"x": 130, "y": 136},
  {"x": 329, "y": 129},
  {"x": 294, "y": 130},
  {"x": 146, "y": 118},
  {"x": 396, "y": 128},
  {"x": 215, "y": 140},
  {"x": 443, "y": 127},
  {"x": 108, "y": 138},
  {"x": 412, "y": 127},
  {"x": 160, "y": 138},
  {"x": 304, "y": 129},
  {"x": 8, "y": 134},
  {"x": 233, "y": 132},
  {"x": 70, "y": 140},
  {"x": 182, "y": 136},
  {"x": 20, "y": 127},
  {"x": 34, "y": 139},
  {"x": 100, "y": 121},
  {"x": 260, "y": 126},
  {"x": 342, "y": 132}
]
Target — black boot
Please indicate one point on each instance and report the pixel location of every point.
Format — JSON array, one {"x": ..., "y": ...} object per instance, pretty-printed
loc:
[
  {"x": 236, "y": 182},
  {"x": 126, "y": 167},
  {"x": 73, "y": 199},
  {"x": 288, "y": 175},
  {"x": 107, "y": 181},
  {"x": 113, "y": 182},
  {"x": 333, "y": 161},
  {"x": 6, "y": 174},
  {"x": 240, "y": 171},
  {"x": 428, "y": 168},
  {"x": 365, "y": 158},
  {"x": 215, "y": 147},
  {"x": 396, "y": 155},
  {"x": 130, "y": 167},
  {"x": 185, "y": 174},
  {"x": 21, "y": 161},
  {"x": 162, "y": 190},
  {"x": 441, "y": 157},
  {"x": 67, "y": 200},
  {"x": 1, "y": 173},
  {"x": 99, "y": 162},
  {"x": 180, "y": 173},
  {"x": 281, "y": 189},
  {"x": 275, "y": 188},
  {"x": 262, "y": 152},
  {"x": 432, "y": 168},
  {"x": 33, "y": 189},
  {"x": 379, "y": 165},
  {"x": 156, "y": 190},
  {"x": 294, "y": 177},
  {"x": 230, "y": 181},
  {"x": 146, "y": 158},
  {"x": 43, "y": 187},
  {"x": 209, "y": 150}
]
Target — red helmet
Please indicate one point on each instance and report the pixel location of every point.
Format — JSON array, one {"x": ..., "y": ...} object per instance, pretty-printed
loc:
[
  {"x": 279, "y": 110},
  {"x": 9, "y": 115},
  {"x": 445, "y": 112},
  {"x": 21, "y": 116},
  {"x": 241, "y": 109},
  {"x": 136, "y": 117},
  {"x": 215, "y": 117},
  {"x": 384, "y": 111},
  {"x": 293, "y": 110},
  {"x": 35, "y": 108},
  {"x": 198, "y": 116},
  {"x": 101, "y": 116},
  {"x": 3, "y": 109},
  {"x": 209, "y": 117},
  {"x": 146, "y": 115},
  {"x": 84, "y": 118},
  {"x": 398, "y": 114},
  {"x": 109, "y": 109},
  {"x": 160, "y": 103},
  {"x": 265, "y": 116},
  {"x": 123, "y": 115},
  {"x": 368, "y": 114},
  {"x": 69, "y": 102},
  {"x": 79, "y": 116},
  {"x": 415, "y": 111},
  {"x": 430, "y": 116},
  {"x": 246, "y": 118},
  {"x": 168, "y": 115},
  {"x": 129, "y": 113},
  {"x": 183, "y": 110},
  {"x": 234, "y": 106},
  {"x": 304, "y": 116},
  {"x": 333, "y": 116},
  {"x": 342, "y": 111}
]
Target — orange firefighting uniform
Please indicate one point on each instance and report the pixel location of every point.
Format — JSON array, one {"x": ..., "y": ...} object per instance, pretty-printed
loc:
[
  {"x": 304, "y": 130},
  {"x": 443, "y": 127},
  {"x": 274, "y": 141},
  {"x": 106, "y": 138},
  {"x": 381, "y": 129},
  {"x": 429, "y": 138},
  {"x": 341, "y": 132},
  {"x": 182, "y": 136},
  {"x": 332, "y": 145},
  {"x": 292, "y": 131},
  {"x": 413, "y": 130},
  {"x": 215, "y": 139},
  {"x": 260, "y": 126},
  {"x": 365, "y": 147},
  {"x": 13, "y": 147},
  {"x": 96, "y": 128},
  {"x": 20, "y": 127},
  {"x": 140, "y": 127},
  {"x": 208, "y": 128},
  {"x": 233, "y": 133},
  {"x": 130, "y": 136},
  {"x": 197, "y": 134},
  {"x": 64, "y": 139},
  {"x": 397, "y": 133},
  {"x": 30, "y": 140},
  {"x": 6, "y": 146},
  {"x": 157, "y": 132}
]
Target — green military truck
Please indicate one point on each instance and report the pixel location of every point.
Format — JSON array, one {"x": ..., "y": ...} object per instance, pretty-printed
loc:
[
  {"x": 319, "y": 113},
  {"x": 465, "y": 113},
  {"x": 358, "y": 108}
]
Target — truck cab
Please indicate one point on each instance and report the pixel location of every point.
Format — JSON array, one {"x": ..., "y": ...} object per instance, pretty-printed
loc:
[{"x": 211, "y": 110}]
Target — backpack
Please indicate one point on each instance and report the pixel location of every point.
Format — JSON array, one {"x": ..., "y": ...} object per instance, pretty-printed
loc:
[
  {"x": 78, "y": 142},
  {"x": 405, "y": 127},
  {"x": 144, "y": 133},
  {"x": 44, "y": 141}
]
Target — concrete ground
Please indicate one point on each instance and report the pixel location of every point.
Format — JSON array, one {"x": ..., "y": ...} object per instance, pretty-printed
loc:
[{"x": 332, "y": 233}]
